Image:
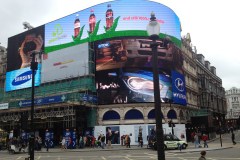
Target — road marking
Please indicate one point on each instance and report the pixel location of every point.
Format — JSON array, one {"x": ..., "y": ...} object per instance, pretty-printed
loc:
[
  {"x": 103, "y": 158},
  {"x": 19, "y": 157},
  {"x": 129, "y": 158},
  {"x": 150, "y": 154},
  {"x": 39, "y": 157}
]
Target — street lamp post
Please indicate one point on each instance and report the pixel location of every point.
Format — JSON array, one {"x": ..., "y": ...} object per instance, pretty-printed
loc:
[
  {"x": 34, "y": 67},
  {"x": 220, "y": 128},
  {"x": 153, "y": 30}
]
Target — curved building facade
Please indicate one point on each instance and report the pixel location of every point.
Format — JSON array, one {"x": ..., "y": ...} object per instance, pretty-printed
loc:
[{"x": 95, "y": 69}]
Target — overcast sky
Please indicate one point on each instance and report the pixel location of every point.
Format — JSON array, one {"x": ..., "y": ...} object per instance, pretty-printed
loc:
[{"x": 213, "y": 24}]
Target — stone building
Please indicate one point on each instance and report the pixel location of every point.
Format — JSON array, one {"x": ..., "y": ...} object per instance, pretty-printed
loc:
[
  {"x": 233, "y": 106},
  {"x": 211, "y": 98},
  {"x": 3, "y": 65}
]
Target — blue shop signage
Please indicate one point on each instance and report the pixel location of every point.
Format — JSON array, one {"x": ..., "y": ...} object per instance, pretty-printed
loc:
[
  {"x": 88, "y": 98},
  {"x": 43, "y": 101}
]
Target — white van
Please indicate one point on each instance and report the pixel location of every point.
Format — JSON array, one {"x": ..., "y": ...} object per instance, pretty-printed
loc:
[{"x": 171, "y": 142}]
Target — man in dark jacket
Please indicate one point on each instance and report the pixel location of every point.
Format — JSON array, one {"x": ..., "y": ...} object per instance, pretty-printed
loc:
[{"x": 47, "y": 143}]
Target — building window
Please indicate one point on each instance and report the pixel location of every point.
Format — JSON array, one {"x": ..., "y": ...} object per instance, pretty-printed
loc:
[
  {"x": 151, "y": 114},
  {"x": 134, "y": 114},
  {"x": 111, "y": 115},
  {"x": 172, "y": 114}
]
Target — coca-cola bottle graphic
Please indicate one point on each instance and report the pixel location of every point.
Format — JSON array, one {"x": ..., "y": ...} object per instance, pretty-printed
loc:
[
  {"x": 76, "y": 26},
  {"x": 92, "y": 21},
  {"x": 109, "y": 17}
]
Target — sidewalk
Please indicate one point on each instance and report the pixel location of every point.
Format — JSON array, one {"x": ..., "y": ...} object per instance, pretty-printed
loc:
[{"x": 212, "y": 146}]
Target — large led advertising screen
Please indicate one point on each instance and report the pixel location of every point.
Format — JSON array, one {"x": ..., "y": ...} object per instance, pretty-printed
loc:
[
  {"x": 109, "y": 20},
  {"x": 19, "y": 57},
  {"x": 65, "y": 63},
  {"x": 117, "y": 30},
  {"x": 22, "y": 78},
  {"x": 124, "y": 70}
]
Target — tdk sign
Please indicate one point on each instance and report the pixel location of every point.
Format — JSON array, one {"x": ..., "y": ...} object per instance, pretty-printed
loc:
[
  {"x": 178, "y": 88},
  {"x": 22, "y": 78},
  {"x": 104, "y": 45}
]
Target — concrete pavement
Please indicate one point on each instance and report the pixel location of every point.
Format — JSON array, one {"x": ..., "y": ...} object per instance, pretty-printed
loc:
[{"x": 212, "y": 146}]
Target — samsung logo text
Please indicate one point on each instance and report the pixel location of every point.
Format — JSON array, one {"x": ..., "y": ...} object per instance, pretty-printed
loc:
[{"x": 22, "y": 78}]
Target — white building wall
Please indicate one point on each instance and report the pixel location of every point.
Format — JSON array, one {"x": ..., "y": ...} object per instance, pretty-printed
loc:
[{"x": 233, "y": 103}]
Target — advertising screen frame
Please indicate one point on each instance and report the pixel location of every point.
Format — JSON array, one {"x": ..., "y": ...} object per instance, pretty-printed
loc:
[
  {"x": 20, "y": 49},
  {"x": 126, "y": 61}
]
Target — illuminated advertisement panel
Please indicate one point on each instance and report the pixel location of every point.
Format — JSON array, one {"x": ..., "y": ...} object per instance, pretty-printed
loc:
[
  {"x": 109, "y": 20},
  {"x": 19, "y": 57},
  {"x": 21, "y": 46},
  {"x": 65, "y": 63},
  {"x": 22, "y": 78},
  {"x": 130, "y": 86},
  {"x": 124, "y": 70},
  {"x": 179, "y": 88}
]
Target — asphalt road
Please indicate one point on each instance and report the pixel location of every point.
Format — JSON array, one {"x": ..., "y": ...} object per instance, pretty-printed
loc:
[{"x": 141, "y": 154}]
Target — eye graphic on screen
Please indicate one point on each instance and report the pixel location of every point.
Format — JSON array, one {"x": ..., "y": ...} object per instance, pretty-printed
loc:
[{"x": 141, "y": 85}]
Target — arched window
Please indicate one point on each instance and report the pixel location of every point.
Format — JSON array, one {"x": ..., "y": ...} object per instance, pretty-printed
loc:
[
  {"x": 133, "y": 114},
  {"x": 151, "y": 114},
  {"x": 172, "y": 114},
  {"x": 111, "y": 115}
]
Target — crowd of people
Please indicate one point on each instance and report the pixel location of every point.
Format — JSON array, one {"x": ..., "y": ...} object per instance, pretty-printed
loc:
[
  {"x": 101, "y": 141},
  {"x": 197, "y": 137},
  {"x": 126, "y": 140}
]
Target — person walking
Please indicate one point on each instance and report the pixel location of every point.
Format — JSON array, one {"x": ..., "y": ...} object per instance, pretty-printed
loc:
[
  {"x": 203, "y": 155},
  {"x": 81, "y": 142},
  {"x": 128, "y": 141},
  {"x": 179, "y": 146},
  {"x": 233, "y": 138},
  {"x": 47, "y": 144},
  {"x": 196, "y": 142},
  {"x": 205, "y": 138},
  {"x": 63, "y": 143},
  {"x": 141, "y": 141},
  {"x": 103, "y": 141}
]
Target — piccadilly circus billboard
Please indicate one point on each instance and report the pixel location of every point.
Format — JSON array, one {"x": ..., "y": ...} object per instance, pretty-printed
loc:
[{"x": 121, "y": 49}]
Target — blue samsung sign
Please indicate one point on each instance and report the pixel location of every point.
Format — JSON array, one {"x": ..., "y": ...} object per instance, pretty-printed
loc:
[
  {"x": 22, "y": 78},
  {"x": 178, "y": 88}
]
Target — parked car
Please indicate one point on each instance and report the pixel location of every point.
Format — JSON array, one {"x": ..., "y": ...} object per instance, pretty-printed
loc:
[{"x": 170, "y": 142}]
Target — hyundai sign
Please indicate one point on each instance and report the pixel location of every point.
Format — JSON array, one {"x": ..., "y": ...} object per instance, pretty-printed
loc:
[{"x": 178, "y": 88}]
